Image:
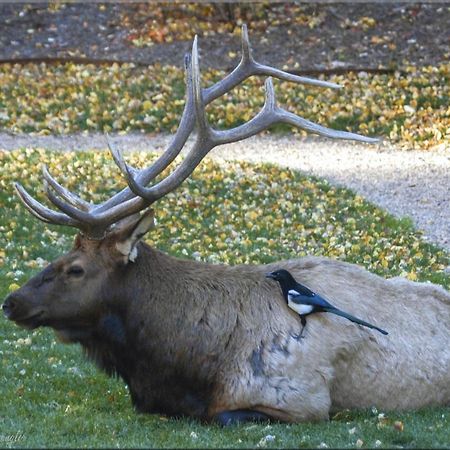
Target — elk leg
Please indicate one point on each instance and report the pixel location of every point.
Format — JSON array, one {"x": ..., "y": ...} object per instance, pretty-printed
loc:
[{"x": 237, "y": 416}]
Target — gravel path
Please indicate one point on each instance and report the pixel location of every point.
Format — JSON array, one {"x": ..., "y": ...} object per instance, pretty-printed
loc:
[{"x": 406, "y": 183}]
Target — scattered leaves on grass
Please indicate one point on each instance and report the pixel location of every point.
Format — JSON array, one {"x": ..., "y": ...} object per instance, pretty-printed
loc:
[
  {"x": 328, "y": 221},
  {"x": 411, "y": 108}
]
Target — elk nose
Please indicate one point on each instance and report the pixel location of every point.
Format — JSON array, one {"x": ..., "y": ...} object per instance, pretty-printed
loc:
[{"x": 9, "y": 306}]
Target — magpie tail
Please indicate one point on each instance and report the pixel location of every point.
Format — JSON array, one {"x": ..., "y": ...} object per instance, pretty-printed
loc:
[{"x": 355, "y": 319}]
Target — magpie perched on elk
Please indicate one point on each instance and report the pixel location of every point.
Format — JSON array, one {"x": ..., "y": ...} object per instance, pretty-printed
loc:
[
  {"x": 305, "y": 302},
  {"x": 204, "y": 340}
]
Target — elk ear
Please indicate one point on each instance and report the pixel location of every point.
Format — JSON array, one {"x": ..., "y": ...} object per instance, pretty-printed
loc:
[
  {"x": 129, "y": 236},
  {"x": 78, "y": 242}
]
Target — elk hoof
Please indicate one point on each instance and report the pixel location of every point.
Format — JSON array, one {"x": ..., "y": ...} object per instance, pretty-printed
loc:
[{"x": 227, "y": 418}]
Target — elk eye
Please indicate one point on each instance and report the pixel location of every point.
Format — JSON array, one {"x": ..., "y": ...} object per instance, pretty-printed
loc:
[{"x": 75, "y": 271}]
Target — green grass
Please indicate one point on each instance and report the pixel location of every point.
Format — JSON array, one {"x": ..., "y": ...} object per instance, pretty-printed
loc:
[{"x": 52, "y": 397}]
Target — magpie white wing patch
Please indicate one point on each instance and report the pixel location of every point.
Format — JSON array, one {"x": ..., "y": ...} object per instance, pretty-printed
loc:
[{"x": 300, "y": 309}]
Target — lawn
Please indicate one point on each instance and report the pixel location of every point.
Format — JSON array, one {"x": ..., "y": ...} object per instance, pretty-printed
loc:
[{"x": 51, "y": 397}]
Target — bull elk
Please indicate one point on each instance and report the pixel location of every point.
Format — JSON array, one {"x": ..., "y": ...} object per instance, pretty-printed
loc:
[{"x": 218, "y": 342}]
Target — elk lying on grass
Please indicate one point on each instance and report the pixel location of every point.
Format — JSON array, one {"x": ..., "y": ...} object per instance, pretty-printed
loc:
[{"x": 218, "y": 342}]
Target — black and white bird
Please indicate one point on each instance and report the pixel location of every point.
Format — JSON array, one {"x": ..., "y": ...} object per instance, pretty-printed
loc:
[{"x": 304, "y": 301}]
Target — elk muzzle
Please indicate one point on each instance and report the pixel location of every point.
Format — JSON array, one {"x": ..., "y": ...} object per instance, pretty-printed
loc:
[{"x": 22, "y": 311}]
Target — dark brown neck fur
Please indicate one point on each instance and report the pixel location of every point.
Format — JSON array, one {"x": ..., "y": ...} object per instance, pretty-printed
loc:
[{"x": 160, "y": 332}]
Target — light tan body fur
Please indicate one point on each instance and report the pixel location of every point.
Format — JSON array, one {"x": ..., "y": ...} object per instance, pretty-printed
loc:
[{"x": 338, "y": 364}]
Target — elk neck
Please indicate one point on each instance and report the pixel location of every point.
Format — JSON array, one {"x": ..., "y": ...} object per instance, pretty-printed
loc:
[{"x": 160, "y": 318}]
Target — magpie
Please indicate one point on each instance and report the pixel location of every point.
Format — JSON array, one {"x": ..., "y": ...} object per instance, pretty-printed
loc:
[{"x": 304, "y": 301}]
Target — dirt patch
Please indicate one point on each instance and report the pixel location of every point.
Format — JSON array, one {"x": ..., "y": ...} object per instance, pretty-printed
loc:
[{"x": 304, "y": 37}]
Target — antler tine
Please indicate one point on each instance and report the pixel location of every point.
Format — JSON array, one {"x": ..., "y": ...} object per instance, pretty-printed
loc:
[
  {"x": 200, "y": 115},
  {"x": 95, "y": 224},
  {"x": 94, "y": 220},
  {"x": 201, "y": 147},
  {"x": 80, "y": 216},
  {"x": 270, "y": 101},
  {"x": 127, "y": 171},
  {"x": 132, "y": 176},
  {"x": 271, "y": 114},
  {"x": 63, "y": 192},
  {"x": 245, "y": 45},
  {"x": 262, "y": 69},
  {"x": 144, "y": 176},
  {"x": 196, "y": 87},
  {"x": 43, "y": 213},
  {"x": 208, "y": 138},
  {"x": 105, "y": 219},
  {"x": 89, "y": 222},
  {"x": 307, "y": 125},
  {"x": 246, "y": 68},
  {"x": 266, "y": 117}
]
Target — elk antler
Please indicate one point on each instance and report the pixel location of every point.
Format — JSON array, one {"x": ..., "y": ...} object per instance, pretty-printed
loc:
[{"x": 95, "y": 220}]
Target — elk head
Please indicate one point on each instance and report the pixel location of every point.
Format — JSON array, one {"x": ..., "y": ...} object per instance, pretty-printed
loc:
[
  {"x": 71, "y": 288},
  {"x": 70, "y": 294}
]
